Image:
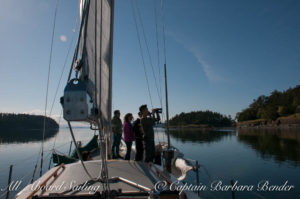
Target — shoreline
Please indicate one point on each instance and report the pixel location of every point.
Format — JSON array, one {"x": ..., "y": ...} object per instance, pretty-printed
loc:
[
  {"x": 200, "y": 127},
  {"x": 295, "y": 126},
  {"x": 292, "y": 121}
]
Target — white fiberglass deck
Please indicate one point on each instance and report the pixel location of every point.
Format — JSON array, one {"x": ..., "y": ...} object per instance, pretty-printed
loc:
[{"x": 74, "y": 180}]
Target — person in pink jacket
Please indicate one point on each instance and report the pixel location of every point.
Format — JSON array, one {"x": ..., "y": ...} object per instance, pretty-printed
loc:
[{"x": 128, "y": 134}]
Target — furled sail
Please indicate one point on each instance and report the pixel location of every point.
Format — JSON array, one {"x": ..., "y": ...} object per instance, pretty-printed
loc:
[{"x": 96, "y": 43}]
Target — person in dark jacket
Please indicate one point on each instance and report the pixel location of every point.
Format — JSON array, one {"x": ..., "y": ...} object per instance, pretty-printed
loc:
[
  {"x": 117, "y": 134},
  {"x": 128, "y": 134},
  {"x": 147, "y": 126},
  {"x": 139, "y": 137}
]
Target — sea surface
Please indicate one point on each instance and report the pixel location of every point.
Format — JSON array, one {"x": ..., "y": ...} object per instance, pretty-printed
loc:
[{"x": 258, "y": 159}]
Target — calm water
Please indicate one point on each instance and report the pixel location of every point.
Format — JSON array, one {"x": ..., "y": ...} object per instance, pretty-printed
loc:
[{"x": 244, "y": 156}]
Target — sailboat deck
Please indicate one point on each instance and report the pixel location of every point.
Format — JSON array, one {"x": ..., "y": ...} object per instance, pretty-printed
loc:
[{"x": 74, "y": 181}]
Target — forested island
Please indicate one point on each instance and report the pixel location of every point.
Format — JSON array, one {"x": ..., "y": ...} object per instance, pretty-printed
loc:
[
  {"x": 277, "y": 109},
  {"x": 25, "y": 127},
  {"x": 201, "y": 119}
]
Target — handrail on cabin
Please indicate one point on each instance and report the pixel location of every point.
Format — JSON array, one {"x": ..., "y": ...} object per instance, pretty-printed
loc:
[{"x": 54, "y": 174}]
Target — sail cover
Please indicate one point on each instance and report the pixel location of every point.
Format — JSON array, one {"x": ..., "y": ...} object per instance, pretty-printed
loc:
[{"x": 96, "y": 53}]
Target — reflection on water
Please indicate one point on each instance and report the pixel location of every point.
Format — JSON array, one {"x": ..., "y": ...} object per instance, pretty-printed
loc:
[
  {"x": 185, "y": 135},
  {"x": 26, "y": 135},
  {"x": 248, "y": 156},
  {"x": 23, "y": 152},
  {"x": 280, "y": 144}
]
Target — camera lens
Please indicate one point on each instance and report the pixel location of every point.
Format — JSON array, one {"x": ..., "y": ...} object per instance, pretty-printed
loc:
[{"x": 159, "y": 110}]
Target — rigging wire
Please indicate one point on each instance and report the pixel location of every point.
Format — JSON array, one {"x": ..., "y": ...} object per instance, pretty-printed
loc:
[
  {"x": 64, "y": 144},
  {"x": 158, "y": 49},
  {"x": 103, "y": 170},
  {"x": 25, "y": 176},
  {"x": 164, "y": 32},
  {"x": 141, "y": 51},
  {"x": 24, "y": 159},
  {"x": 35, "y": 166},
  {"x": 158, "y": 65},
  {"x": 257, "y": 194},
  {"x": 59, "y": 82},
  {"x": 85, "y": 9},
  {"x": 33, "y": 174},
  {"x": 20, "y": 180},
  {"x": 79, "y": 155},
  {"x": 3, "y": 194},
  {"x": 57, "y": 133},
  {"x": 47, "y": 90},
  {"x": 148, "y": 51},
  {"x": 59, "y": 146},
  {"x": 157, "y": 46},
  {"x": 54, "y": 142},
  {"x": 159, "y": 91},
  {"x": 65, "y": 63}
]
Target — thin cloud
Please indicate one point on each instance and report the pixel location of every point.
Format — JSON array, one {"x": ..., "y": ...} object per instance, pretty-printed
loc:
[
  {"x": 208, "y": 70},
  {"x": 63, "y": 38}
]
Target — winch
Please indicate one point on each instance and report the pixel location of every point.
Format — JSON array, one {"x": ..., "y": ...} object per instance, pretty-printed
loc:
[{"x": 77, "y": 103}]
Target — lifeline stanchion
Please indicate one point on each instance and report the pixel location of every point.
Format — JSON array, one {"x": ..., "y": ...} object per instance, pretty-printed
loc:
[
  {"x": 233, "y": 195},
  {"x": 9, "y": 181},
  {"x": 70, "y": 148},
  {"x": 197, "y": 176}
]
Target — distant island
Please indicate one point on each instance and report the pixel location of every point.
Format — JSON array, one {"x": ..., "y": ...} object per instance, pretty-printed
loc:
[
  {"x": 25, "y": 127},
  {"x": 201, "y": 119},
  {"x": 277, "y": 109}
]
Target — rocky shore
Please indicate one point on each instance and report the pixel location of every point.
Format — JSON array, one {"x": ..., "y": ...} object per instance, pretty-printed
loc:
[{"x": 292, "y": 121}]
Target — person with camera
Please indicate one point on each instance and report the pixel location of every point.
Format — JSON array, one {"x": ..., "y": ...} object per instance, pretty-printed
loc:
[{"x": 148, "y": 121}]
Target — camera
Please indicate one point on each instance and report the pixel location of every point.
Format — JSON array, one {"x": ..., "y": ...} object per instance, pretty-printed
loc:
[{"x": 158, "y": 110}]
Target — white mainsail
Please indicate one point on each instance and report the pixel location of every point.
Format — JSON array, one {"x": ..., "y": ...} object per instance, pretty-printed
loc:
[{"x": 96, "y": 53}]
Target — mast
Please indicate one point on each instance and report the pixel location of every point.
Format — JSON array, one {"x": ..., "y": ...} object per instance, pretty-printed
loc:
[
  {"x": 165, "y": 72},
  {"x": 167, "y": 105},
  {"x": 169, "y": 152}
]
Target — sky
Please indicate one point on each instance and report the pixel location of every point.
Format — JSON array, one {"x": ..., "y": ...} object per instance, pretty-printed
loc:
[{"x": 220, "y": 55}]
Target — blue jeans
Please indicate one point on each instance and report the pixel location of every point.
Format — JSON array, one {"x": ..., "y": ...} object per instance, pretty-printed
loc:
[
  {"x": 116, "y": 144},
  {"x": 128, "y": 146}
]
